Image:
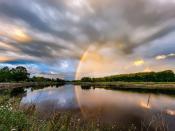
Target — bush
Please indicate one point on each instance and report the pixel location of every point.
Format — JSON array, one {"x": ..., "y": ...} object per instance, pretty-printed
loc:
[{"x": 12, "y": 120}]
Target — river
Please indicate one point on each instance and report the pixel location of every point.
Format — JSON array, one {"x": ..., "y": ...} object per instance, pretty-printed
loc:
[{"x": 145, "y": 110}]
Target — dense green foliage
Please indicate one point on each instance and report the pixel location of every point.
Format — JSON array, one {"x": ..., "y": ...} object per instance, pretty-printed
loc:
[
  {"x": 12, "y": 119},
  {"x": 164, "y": 76},
  {"x": 15, "y": 74},
  {"x": 20, "y": 74},
  {"x": 42, "y": 79},
  {"x": 87, "y": 79}
]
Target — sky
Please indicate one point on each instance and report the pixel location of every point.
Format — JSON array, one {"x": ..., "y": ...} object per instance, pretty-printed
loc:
[{"x": 75, "y": 38}]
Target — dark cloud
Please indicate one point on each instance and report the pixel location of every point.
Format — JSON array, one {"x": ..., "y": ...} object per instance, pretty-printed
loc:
[
  {"x": 125, "y": 17},
  {"x": 18, "y": 62},
  {"x": 40, "y": 48},
  {"x": 62, "y": 29},
  {"x": 18, "y": 11},
  {"x": 147, "y": 13},
  {"x": 47, "y": 52}
]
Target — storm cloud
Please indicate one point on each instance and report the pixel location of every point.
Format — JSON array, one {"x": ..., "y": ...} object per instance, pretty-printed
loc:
[{"x": 51, "y": 30}]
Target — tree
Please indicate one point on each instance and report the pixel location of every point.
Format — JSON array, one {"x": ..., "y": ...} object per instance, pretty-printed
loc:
[
  {"x": 5, "y": 74},
  {"x": 20, "y": 74},
  {"x": 86, "y": 79},
  {"x": 15, "y": 74},
  {"x": 163, "y": 76}
]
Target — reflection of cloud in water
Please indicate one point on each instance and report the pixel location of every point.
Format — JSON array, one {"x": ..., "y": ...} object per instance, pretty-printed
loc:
[
  {"x": 123, "y": 99},
  {"x": 51, "y": 97},
  {"x": 144, "y": 105},
  {"x": 121, "y": 103},
  {"x": 66, "y": 98},
  {"x": 170, "y": 112},
  {"x": 126, "y": 107},
  {"x": 108, "y": 105}
]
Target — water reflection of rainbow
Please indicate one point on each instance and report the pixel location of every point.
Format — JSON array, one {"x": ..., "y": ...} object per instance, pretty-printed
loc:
[
  {"x": 92, "y": 63},
  {"x": 77, "y": 76},
  {"x": 97, "y": 64}
]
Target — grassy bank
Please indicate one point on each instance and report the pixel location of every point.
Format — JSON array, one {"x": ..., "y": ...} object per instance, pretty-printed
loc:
[
  {"x": 13, "y": 117},
  {"x": 149, "y": 85},
  {"x": 162, "y": 87},
  {"x": 27, "y": 84}
]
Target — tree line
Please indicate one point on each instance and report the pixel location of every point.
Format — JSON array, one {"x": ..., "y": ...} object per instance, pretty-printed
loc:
[
  {"x": 20, "y": 74},
  {"x": 163, "y": 76}
]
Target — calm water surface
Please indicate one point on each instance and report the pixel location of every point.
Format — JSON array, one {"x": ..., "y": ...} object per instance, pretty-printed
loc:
[{"x": 108, "y": 105}]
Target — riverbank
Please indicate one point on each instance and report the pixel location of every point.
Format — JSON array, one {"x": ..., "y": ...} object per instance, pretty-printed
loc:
[
  {"x": 130, "y": 84},
  {"x": 137, "y": 86},
  {"x": 167, "y": 87},
  {"x": 54, "y": 109},
  {"x": 26, "y": 84}
]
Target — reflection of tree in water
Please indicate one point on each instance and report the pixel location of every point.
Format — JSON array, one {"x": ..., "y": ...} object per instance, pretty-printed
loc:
[
  {"x": 149, "y": 97},
  {"x": 86, "y": 87},
  {"x": 156, "y": 121},
  {"x": 17, "y": 92}
]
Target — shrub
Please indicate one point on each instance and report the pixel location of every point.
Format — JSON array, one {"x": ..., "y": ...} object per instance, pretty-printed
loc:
[{"x": 12, "y": 120}]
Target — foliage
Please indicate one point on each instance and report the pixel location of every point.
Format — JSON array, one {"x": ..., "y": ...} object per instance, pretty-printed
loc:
[
  {"x": 164, "y": 76},
  {"x": 86, "y": 79},
  {"x": 42, "y": 79},
  {"x": 15, "y": 74},
  {"x": 20, "y": 74},
  {"x": 12, "y": 120},
  {"x": 17, "y": 91}
]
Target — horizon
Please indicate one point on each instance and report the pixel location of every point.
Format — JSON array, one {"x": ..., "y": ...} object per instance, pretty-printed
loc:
[
  {"x": 57, "y": 76},
  {"x": 78, "y": 38}
]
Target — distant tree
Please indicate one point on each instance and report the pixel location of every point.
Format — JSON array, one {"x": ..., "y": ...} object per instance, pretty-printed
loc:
[
  {"x": 163, "y": 76},
  {"x": 15, "y": 74},
  {"x": 5, "y": 74},
  {"x": 59, "y": 80},
  {"x": 20, "y": 73},
  {"x": 86, "y": 79},
  {"x": 42, "y": 79},
  {"x": 167, "y": 75}
]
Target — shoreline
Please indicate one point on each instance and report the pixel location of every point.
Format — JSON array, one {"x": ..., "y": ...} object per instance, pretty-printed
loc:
[
  {"x": 136, "y": 84},
  {"x": 26, "y": 84},
  {"x": 142, "y": 86}
]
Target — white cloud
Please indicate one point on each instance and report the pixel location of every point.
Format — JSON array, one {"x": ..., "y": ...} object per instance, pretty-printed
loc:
[
  {"x": 139, "y": 62},
  {"x": 64, "y": 65},
  {"x": 162, "y": 57}
]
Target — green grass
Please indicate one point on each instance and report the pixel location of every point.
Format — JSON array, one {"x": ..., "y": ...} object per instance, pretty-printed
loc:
[
  {"x": 12, "y": 117},
  {"x": 141, "y": 87}
]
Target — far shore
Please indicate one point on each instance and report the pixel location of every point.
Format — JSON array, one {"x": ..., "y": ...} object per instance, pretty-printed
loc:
[
  {"x": 139, "y": 86},
  {"x": 128, "y": 84},
  {"x": 11, "y": 85},
  {"x": 167, "y": 87}
]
